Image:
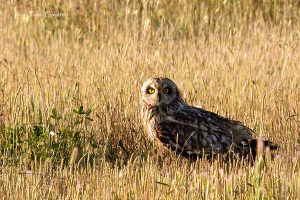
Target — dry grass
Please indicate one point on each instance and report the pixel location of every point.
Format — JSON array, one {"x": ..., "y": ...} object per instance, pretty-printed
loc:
[{"x": 238, "y": 58}]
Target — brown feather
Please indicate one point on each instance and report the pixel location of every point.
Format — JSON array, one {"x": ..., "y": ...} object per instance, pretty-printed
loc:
[{"x": 192, "y": 131}]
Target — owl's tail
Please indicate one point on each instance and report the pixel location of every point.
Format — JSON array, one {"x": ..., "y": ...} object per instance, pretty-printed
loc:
[{"x": 253, "y": 147}]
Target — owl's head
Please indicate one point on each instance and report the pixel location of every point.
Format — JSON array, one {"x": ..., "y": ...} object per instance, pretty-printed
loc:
[{"x": 159, "y": 91}]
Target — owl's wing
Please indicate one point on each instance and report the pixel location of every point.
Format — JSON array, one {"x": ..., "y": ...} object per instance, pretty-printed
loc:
[
  {"x": 197, "y": 131},
  {"x": 214, "y": 123},
  {"x": 189, "y": 141}
]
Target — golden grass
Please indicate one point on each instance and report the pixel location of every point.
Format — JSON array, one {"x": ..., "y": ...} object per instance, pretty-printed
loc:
[{"x": 238, "y": 58}]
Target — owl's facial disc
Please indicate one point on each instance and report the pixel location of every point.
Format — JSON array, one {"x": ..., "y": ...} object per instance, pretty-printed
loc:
[{"x": 156, "y": 92}]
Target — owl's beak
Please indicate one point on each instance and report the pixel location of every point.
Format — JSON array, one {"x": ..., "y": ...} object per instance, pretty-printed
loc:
[{"x": 158, "y": 97}]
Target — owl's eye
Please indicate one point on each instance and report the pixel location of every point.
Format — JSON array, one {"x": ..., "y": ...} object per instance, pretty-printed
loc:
[
  {"x": 151, "y": 90},
  {"x": 166, "y": 90}
]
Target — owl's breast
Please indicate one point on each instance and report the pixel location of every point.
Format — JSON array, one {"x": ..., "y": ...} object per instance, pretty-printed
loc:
[
  {"x": 152, "y": 125},
  {"x": 152, "y": 119}
]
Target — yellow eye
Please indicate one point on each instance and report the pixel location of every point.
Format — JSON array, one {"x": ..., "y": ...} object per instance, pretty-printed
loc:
[
  {"x": 151, "y": 90},
  {"x": 166, "y": 90}
]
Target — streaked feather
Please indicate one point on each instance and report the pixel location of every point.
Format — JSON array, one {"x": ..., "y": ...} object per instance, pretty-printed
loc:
[{"x": 193, "y": 131}]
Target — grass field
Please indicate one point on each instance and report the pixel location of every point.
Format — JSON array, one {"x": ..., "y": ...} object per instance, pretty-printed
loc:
[{"x": 70, "y": 77}]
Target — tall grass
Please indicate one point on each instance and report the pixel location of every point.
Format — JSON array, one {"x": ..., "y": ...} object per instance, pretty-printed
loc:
[{"x": 70, "y": 74}]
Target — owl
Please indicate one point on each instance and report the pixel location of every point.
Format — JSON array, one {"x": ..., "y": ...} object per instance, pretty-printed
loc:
[{"x": 190, "y": 131}]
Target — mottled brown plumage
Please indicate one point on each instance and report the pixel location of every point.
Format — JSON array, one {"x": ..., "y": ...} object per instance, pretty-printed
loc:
[{"x": 191, "y": 131}]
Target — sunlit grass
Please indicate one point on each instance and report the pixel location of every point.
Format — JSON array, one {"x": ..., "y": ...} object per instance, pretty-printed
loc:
[{"x": 69, "y": 96}]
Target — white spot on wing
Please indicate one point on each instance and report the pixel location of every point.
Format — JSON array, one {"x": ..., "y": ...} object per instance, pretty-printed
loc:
[{"x": 171, "y": 119}]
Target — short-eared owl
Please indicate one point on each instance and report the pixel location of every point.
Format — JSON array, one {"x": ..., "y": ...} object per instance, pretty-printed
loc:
[{"x": 191, "y": 131}]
